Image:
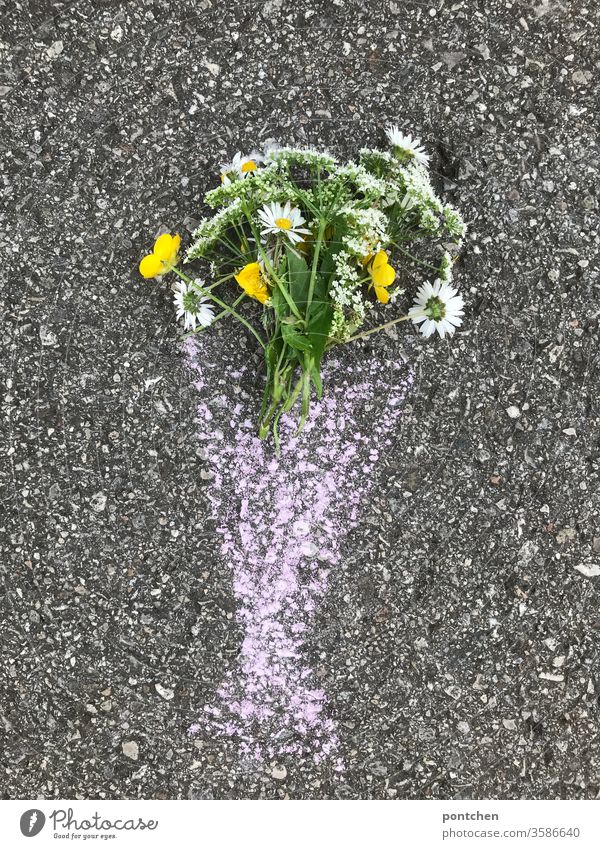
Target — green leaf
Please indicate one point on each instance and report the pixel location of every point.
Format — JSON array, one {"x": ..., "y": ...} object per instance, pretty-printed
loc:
[
  {"x": 318, "y": 329},
  {"x": 298, "y": 274},
  {"x": 295, "y": 339},
  {"x": 340, "y": 228},
  {"x": 279, "y": 304},
  {"x": 326, "y": 269},
  {"x": 315, "y": 375},
  {"x": 272, "y": 352}
]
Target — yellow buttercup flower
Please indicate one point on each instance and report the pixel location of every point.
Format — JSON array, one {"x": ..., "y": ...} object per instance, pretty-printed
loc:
[
  {"x": 252, "y": 283},
  {"x": 382, "y": 275},
  {"x": 164, "y": 254}
]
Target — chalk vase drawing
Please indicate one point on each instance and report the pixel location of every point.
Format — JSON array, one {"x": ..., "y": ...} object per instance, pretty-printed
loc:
[{"x": 282, "y": 519}]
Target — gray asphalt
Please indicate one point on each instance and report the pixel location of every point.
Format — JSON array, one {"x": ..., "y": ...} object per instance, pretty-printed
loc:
[{"x": 459, "y": 642}]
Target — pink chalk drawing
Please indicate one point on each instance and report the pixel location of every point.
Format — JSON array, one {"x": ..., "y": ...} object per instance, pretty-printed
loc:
[{"x": 282, "y": 521}]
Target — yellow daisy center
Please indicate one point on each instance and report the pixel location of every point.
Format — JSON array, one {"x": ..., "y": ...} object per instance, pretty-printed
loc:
[
  {"x": 283, "y": 223},
  {"x": 249, "y": 166}
]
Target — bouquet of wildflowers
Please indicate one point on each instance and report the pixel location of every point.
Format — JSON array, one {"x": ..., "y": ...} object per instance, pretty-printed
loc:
[{"x": 315, "y": 243}]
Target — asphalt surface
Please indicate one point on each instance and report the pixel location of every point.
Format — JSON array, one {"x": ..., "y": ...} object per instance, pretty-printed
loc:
[{"x": 459, "y": 642}]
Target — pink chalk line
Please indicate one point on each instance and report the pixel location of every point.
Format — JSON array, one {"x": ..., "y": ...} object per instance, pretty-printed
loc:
[{"x": 282, "y": 521}]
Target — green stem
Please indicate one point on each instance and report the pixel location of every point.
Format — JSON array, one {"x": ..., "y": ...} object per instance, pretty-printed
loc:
[
  {"x": 218, "y": 317},
  {"x": 235, "y": 250},
  {"x": 305, "y": 395},
  {"x": 218, "y": 301},
  {"x": 291, "y": 397},
  {"x": 218, "y": 282},
  {"x": 414, "y": 258},
  {"x": 313, "y": 271},
  {"x": 278, "y": 388},
  {"x": 382, "y": 327},
  {"x": 291, "y": 400}
]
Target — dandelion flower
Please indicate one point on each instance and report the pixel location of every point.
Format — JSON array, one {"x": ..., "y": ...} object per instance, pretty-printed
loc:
[
  {"x": 240, "y": 166},
  {"x": 164, "y": 254},
  {"x": 192, "y": 306},
  {"x": 405, "y": 147},
  {"x": 251, "y": 281},
  {"x": 382, "y": 275},
  {"x": 281, "y": 220},
  {"x": 437, "y": 306}
]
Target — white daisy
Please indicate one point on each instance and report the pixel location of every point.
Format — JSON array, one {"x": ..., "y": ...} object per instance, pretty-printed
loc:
[
  {"x": 437, "y": 306},
  {"x": 240, "y": 166},
  {"x": 192, "y": 306},
  {"x": 281, "y": 220},
  {"x": 406, "y": 146}
]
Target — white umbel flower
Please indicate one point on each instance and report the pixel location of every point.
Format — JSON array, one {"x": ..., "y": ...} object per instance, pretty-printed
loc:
[
  {"x": 408, "y": 147},
  {"x": 192, "y": 306},
  {"x": 240, "y": 166},
  {"x": 437, "y": 306},
  {"x": 271, "y": 147},
  {"x": 281, "y": 220}
]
